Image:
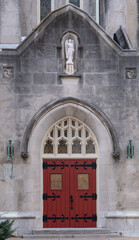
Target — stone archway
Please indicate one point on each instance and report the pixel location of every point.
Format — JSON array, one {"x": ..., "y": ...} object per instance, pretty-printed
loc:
[
  {"x": 77, "y": 102},
  {"x": 104, "y": 132}
]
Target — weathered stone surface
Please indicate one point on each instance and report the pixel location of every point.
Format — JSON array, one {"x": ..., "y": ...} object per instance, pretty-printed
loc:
[
  {"x": 103, "y": 83},
  {"x": 45, "y": 78},
  {"x": 28, "y": 16},
  {"x": 58, "y": 4},
  {"x": 10, "y": 23},
  {"x": 90, "y": 7}
]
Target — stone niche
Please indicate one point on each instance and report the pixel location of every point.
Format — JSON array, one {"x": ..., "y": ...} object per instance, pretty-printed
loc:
[{"x": 69, "y": 45}]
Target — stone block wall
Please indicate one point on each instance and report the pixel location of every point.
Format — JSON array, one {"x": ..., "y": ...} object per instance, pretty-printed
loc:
[
  {"x": 19, "y": 18},
  {"x": 10, "y": 29},
  {"x": 31, "y": 78}
]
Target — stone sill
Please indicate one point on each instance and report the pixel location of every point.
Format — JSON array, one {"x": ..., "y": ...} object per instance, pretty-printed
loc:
[
  {"x": 70, "y": 79},
  {"x": 19, "y": 215},
  {"x": 122, "y": 214}
]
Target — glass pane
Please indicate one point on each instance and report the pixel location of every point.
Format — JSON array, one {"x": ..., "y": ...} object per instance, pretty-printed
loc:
[
  {"x": 56, "y": 181},
  {"x": 83, "y": 181},
  {"x": 90, "y": 148},
  {"x": 65, "y": 123},
  {"x": 48, "y": 148},
  {"x": 75, "y": 2},
  {"x": 80, "y": 133},
  {"x": 87, "y": 133},
  {"x": 65, "y": 133},
  {"x": 51, "y": 133},
  {"x": 76, "y": 147},
  {"x": 45, "y": 8},
  {"x": 62, "y": 147},
  {"x": 73, "y": 133},
  {"x": 59, "y": 133},
  {"x": 73, "y": 123}
]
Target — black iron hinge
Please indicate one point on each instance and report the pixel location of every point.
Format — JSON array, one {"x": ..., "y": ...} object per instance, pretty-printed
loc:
[{"x": 86, "y": 196}]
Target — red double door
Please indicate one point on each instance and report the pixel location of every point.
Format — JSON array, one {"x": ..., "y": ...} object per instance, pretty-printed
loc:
[{"x": 69, "y": 193}]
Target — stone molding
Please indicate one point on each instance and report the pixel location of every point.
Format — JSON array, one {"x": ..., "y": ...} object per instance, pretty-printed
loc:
[
  {"x": 87, "y": 105},
  {"x": 18, "y": 215},
  {"x": 122, "y": 214}
]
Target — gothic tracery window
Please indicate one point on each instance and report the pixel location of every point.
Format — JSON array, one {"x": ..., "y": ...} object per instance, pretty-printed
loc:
[{"x": 69, "y": 136}]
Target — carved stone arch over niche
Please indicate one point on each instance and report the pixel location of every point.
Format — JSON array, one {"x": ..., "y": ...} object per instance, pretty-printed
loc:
[
  {"x": 75, "y": 41},
  {"x": 85, "y": 111}
]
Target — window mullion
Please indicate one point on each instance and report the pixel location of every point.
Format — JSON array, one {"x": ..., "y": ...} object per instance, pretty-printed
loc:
[
  {"x": 55, "y": 141},
  {"x": 83, "y": 141}
]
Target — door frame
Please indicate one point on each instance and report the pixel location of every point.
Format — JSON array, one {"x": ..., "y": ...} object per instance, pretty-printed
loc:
[{"x": 94, "y": 156}]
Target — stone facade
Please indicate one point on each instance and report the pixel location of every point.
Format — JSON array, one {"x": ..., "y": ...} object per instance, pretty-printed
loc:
[
  {"x": 20, "y": 17},
  {"x": 106, "y": 98}
]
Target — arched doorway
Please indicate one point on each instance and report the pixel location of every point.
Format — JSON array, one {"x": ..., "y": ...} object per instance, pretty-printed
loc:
[
  {"x": 32, "y": 149},
  {"x": 70, "y": 154}
]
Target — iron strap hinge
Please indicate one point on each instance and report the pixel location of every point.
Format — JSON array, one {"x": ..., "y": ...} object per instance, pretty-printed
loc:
[
  {"x": 54, "y": 218},
  {"x": 53, "y": 196},
  {"x": 85, "y": 165},
  {"x": 85, "y": 218},
  {"x": 86, "y": 196},
  {"x": 54, "y": 165}
]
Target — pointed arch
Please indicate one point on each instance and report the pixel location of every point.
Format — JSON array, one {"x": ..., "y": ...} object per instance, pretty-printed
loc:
[{"x": 76, "y": 102}]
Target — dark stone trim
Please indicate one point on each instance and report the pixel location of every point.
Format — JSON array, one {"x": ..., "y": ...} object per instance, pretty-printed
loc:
[{"x": 86, "y": 104}]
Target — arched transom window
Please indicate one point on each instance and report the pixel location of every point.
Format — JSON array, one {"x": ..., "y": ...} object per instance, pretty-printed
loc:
[{"x": 68, "y": 137}]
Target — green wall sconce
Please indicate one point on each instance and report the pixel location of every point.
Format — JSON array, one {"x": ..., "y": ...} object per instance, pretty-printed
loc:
[
  {"x": 10, "y": 150},
  {"x": 130, "y": 150}
]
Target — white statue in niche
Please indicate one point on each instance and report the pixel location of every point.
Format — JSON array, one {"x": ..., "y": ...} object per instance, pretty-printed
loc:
[{"x": 69, "y": 50}]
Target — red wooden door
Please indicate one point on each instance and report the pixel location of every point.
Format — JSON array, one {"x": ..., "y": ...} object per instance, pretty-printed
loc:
[
  {"x": 83, "y": 193},
  {"x": 55, "y": 193},
  {"x": 69, "y": 193}
]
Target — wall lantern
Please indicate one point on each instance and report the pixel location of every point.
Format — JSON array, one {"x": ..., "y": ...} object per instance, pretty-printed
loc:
[
  {"x": 10, "y": 150},
  {"x": 130, "y": 150}
]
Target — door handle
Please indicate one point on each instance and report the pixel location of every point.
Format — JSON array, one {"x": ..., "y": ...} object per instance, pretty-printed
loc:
[{"x": 71, "y": 200}]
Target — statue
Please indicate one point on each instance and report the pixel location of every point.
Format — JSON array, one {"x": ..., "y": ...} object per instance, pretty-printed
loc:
[{"x": 69, "y": 50}]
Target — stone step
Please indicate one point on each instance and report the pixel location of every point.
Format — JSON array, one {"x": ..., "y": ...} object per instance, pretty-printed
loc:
[
  {"x": 39, "y": 236},
  {"x": 71, "y": 231}
]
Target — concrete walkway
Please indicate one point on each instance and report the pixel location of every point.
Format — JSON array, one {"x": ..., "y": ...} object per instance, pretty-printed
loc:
[{"x": 98, "y": 238}]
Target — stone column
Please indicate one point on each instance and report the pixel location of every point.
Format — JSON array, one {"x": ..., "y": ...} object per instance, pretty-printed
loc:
[{"x": 10, "y": 21}]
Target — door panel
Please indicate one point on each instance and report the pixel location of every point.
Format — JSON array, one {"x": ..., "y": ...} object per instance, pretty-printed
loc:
[
  {"x": 83, "y": 189},
  {"x": 69, "y": 193},
  {"x": 56, "y": 193}
]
